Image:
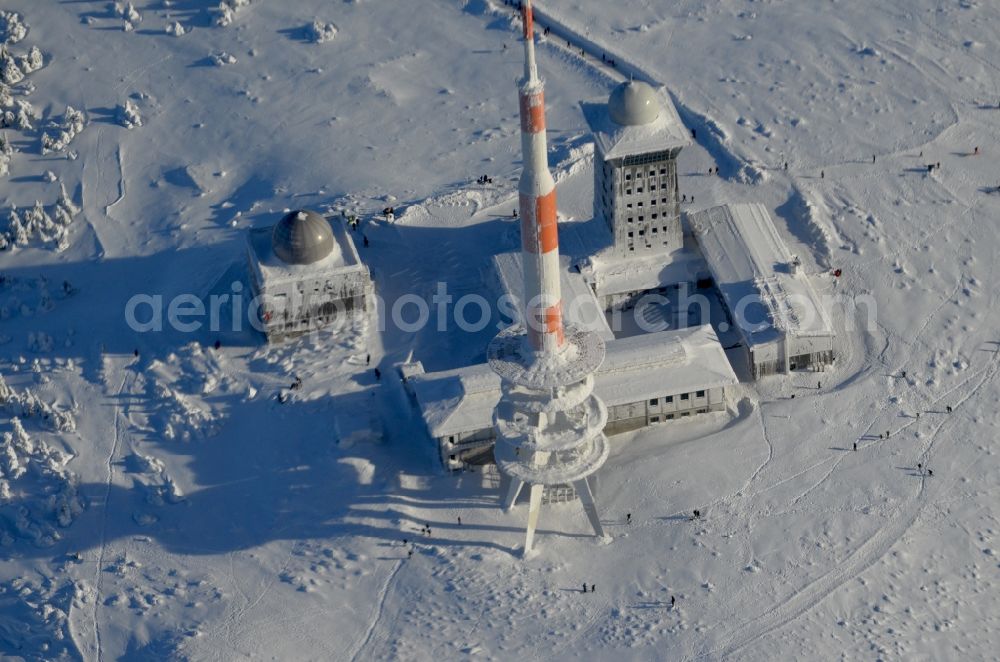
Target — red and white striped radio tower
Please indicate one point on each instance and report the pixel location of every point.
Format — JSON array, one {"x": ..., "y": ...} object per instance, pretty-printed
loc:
[{"x": 549, "y": 424}]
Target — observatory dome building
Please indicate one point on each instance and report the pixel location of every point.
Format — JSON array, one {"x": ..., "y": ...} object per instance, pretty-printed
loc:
[
  {"x": 305, "y": 272},
  {"x": 637, "y": 137}
]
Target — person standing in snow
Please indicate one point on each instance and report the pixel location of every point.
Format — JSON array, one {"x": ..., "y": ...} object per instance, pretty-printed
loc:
[
  {"x": 378, "y": 375},
  {"x": 593, "y": 588},
  {"x": 672, "y": 601},
  {"x": 364, "y": 238},
  {"x": 460, "y": 521},
  {"x": 855, "y": 446},
  {"x": 628, "y": 518},
  {"x": 584, "y": 587}
]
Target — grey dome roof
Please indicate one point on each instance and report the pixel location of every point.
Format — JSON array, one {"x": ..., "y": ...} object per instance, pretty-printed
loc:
[
  {"x": 633, "y": 103},
  {"x": 302, "y": 237}
]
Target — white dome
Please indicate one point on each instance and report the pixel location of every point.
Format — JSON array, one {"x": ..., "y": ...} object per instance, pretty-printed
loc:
[
  {"x": 633, "y": 103},
  {"x": 302, "y": 237}
]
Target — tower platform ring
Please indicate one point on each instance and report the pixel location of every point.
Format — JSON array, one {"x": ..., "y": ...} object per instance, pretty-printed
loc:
[
  {"x": 520, "y": 468},
  {"x": 555, "y": 436},
  {"x": 511, "y": 356}
]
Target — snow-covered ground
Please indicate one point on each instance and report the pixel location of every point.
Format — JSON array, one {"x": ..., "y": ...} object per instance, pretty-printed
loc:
[{"x": 157, "y": 502}]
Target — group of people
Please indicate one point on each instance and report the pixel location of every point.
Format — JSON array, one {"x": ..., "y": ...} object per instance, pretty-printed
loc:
[{"x": 485, "y": 179}]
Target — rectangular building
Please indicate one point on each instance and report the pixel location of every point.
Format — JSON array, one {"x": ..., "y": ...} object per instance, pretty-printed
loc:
[
  {"x": 644, "y": 380},
  {"x": 772, "y": 303}
]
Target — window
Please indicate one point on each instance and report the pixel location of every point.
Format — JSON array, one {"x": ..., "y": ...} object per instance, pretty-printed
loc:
[
  {"x": 652, "y": 173},
  {"x": 639, "y": 204},
  {"x": 654, "y": 419},
  {"x": 654, "y": 401},
  {"x": 687, "y": 413},
  {"x": 451, "y": 457},
  {"x": 628, "y": 205},
  {"x": 638, "y": 189},
  {"x": 653, "y": 216},
  {"x": 451, "y": 439},
  {"x": 638, "y": 175},
  {"x": 669, "y": 399},
  {"x": 702, "y": 411},
  {"x": 629, "y": 219},
  {"x": 699, "y": 394},
  {"x": 628, "y": 177},
  {"x": 685, "y": 396},
  {"x": 642, "y": 218},
  {"x": 663, "y": 200},
  {"x": 628, "y": 191},
  {"x": 654, "y": 230},
  {"x": 663, "y": 171},
  {"x": 630, "y": 235},
  {"x": 652, "y": 187},
  {"x": 642, "y": 232},
  {"x": 668, "y": 417}
]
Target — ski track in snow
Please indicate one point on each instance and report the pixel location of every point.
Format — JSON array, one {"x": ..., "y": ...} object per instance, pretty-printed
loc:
[
  {"x": 99, "y": 576},
  {"x": 376, "y": 612},
  {"x": 121, "y": 181},
  {"x": 862, "y": 558}
]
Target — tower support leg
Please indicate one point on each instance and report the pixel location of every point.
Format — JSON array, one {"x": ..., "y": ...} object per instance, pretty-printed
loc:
[
  {"x": 513, "y": 491},
  {"x": 587, "y": 499},
  {"x": 535, "y": 505}
]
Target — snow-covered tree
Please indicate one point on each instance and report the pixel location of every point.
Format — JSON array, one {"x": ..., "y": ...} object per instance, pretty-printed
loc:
[
  {"x": 321, "y": 32},
  {"x": 227, "y": 11},
  {"x": 10, "y": 73},
  {"x": 31, "y": 61},
  {"x": 72, "y": 123},
  {"x": 127, "y": 11},
  {"x": 6, "y": 151},
  {"x": 128, "y": 115},
  {"x": 12, "y": 27}
]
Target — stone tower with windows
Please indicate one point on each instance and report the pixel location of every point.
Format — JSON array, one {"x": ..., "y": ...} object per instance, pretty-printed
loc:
[{"x": 637, "y": 141}]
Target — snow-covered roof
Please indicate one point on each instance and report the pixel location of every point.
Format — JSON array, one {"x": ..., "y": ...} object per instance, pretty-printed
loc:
[
  {"x": 343, "y": 256},
  {"x": 664, "y": 363},
  {"x": 613, "y": 140},
  {"x": 750, "y": 262},
  {"x": 635, "y": 369},
  {"x": 580, "y": 307},
  {"x": 610, "y": 274}
]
